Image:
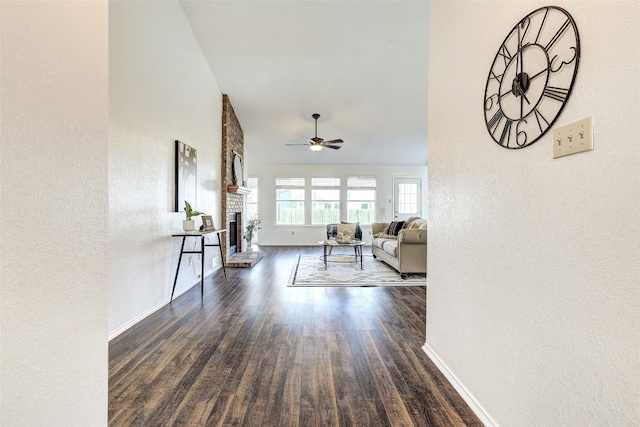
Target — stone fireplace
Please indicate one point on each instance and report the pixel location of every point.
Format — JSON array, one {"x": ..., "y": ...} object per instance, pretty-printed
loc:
[{"x": 233, "y": 199}]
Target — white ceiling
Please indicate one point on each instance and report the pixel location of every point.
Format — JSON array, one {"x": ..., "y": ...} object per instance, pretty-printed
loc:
[{"x": 362, "y": 65}]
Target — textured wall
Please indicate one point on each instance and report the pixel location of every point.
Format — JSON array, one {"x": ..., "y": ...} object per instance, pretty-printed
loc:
[
  {"x": 161, "y": 89},
  {"x": 533, "y": 291},
  {"x": 53, "y": 213}
]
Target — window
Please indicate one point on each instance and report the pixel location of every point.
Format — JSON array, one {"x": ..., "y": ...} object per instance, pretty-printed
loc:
[
  {"x": 407, "y": 198},
  {"x": 252, "y": 198},
  {"x": 289, "y": 201},
  {"x": 325, "y": 200},
  {"x": 361, "y": 199}
]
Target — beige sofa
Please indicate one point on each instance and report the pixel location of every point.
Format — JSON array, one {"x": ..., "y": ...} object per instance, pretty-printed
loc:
[{"x": 406, "y": 252}]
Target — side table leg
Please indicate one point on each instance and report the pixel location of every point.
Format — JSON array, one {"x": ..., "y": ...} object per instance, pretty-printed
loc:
[
  {"x": 202, "y": 269},
  {"x": 325, "y": 256},
  {"x": 224, "y": 269},
  {"x": 177, "y": 270}
]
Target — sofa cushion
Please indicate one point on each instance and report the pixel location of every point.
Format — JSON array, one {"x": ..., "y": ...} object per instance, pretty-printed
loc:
[
  {"x": 379, "y": 241},
  {"x": 391, "y": 247}
]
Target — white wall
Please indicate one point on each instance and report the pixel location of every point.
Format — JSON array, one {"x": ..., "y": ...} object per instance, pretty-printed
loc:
[
  {"x": 270, "y": 234},
  {"x": 53, "y": 213},
  {"x": 534, "y": 263},
  {"x": 161, "y": 89}
]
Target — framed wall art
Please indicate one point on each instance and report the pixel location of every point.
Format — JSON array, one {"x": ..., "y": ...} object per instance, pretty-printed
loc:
[
  {"x": 186, "y": 175},
  {"x": 207, "y": 223}
]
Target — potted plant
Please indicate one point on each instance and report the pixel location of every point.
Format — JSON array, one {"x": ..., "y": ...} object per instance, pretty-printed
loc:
[
  {"x": 253, "y": 225},
  {"x": 187, "y": 224}
]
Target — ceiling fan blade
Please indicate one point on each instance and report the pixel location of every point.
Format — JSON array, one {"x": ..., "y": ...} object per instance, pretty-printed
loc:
[
  {"x": 314, "y": 139},
  {"x": 296, "y": 144},
  {"x": 335, "y": 147},
  {"x": 334, "y": 141}
]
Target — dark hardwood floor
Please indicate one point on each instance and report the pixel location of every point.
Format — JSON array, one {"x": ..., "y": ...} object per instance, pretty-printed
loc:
[{"x": 257, "y": 353}]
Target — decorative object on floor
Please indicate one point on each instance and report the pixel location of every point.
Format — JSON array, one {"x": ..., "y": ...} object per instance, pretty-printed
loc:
[
  {"x": 317, "y": 144},
  {"x": 187, "y": 224},
  {"x": 244, "y": 259},
  {"x": 309, "y": 270},
  {"x": 531, "y": 77},
  {"x": 186, "y": 174},
  {"x": 253, "y": 225},
  {"x": 207, "y": 223}
]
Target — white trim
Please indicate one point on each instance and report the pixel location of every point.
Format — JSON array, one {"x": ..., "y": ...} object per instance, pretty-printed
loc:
[
  {"x": 475, "y": 406},
  {"x": 157, "y": 307}
]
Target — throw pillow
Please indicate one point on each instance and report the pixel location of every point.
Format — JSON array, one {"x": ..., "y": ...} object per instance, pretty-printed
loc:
[
  {"x": 350, "y": 229},
  {"x": 395, "y": 227},
  {"x": 358, "y": 232},
  {"x": 408, "y": 223}
]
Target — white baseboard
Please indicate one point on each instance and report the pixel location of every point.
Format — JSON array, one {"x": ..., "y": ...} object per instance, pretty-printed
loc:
[
  {"x": 158, "y": 306},
  {"x": 475, "y": 406}
]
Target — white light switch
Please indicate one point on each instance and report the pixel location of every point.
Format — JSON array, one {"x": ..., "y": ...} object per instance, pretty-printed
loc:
[{"x": 573, "y": 138}]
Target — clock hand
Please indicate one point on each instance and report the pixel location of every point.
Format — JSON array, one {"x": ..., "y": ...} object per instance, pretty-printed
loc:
[
  {"x": 522, "y": 105},
  {"x": 519, "y": 50},
  {"x": 537, "y": 74},
  {"x": 519, "y": 88}
]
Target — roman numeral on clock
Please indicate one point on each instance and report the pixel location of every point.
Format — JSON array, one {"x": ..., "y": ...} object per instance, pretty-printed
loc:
[
  {"x": 492, "y": 124},
  {"x": 557, "y": 93},
  {"x": 506, "y": 55},
  {"x": 506, "y": 133},
  {"x": 498, "y": 77},
  {"x": 539, "y": 116}
]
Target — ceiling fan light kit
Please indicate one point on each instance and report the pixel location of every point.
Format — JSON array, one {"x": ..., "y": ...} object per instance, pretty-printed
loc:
[{"x": 316, "y": 144}]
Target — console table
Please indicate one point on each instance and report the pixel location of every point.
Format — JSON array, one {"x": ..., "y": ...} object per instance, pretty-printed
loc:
[{"x": 200, "y": 234}]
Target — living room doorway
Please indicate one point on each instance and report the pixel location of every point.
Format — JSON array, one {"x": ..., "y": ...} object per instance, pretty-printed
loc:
[{"x": 407, "y": 199}]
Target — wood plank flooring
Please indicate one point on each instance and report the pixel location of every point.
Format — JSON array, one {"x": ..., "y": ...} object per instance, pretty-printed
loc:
[{"x": 257, "y": 353}]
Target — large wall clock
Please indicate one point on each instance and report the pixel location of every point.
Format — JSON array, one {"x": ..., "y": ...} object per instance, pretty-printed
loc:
[{"x": 531, "y": 77}]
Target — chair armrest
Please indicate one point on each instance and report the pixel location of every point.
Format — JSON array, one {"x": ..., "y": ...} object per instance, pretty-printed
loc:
[
  {"x": 378, "y": 227},
  {"x": 412, "y": 236}
]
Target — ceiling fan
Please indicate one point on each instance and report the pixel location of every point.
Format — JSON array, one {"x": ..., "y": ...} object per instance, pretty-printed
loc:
[{"x": 317, "y": 144}]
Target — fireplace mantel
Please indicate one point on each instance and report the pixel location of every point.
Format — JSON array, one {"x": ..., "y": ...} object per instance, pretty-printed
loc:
[{"x": 238, "y": 189}]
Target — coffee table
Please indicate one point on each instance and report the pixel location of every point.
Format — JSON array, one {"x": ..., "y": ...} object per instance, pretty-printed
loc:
[{"x": 356, "y": 245}]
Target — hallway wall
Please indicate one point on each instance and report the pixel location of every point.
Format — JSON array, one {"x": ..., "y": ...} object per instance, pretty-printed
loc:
[
  {"x": 53, "y": 213},
  {"x": 534, "y": 262},
  {"x": 161, "y": 90}
]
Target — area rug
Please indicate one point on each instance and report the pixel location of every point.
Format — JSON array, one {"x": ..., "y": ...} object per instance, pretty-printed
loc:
[{"x": 342, "y": 270}]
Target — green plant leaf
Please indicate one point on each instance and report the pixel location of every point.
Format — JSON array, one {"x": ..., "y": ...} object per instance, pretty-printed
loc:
[{"x": 189, "y": 212}]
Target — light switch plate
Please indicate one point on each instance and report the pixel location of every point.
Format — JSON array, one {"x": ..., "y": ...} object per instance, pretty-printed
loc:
[{"x": 573, "y": 138}]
